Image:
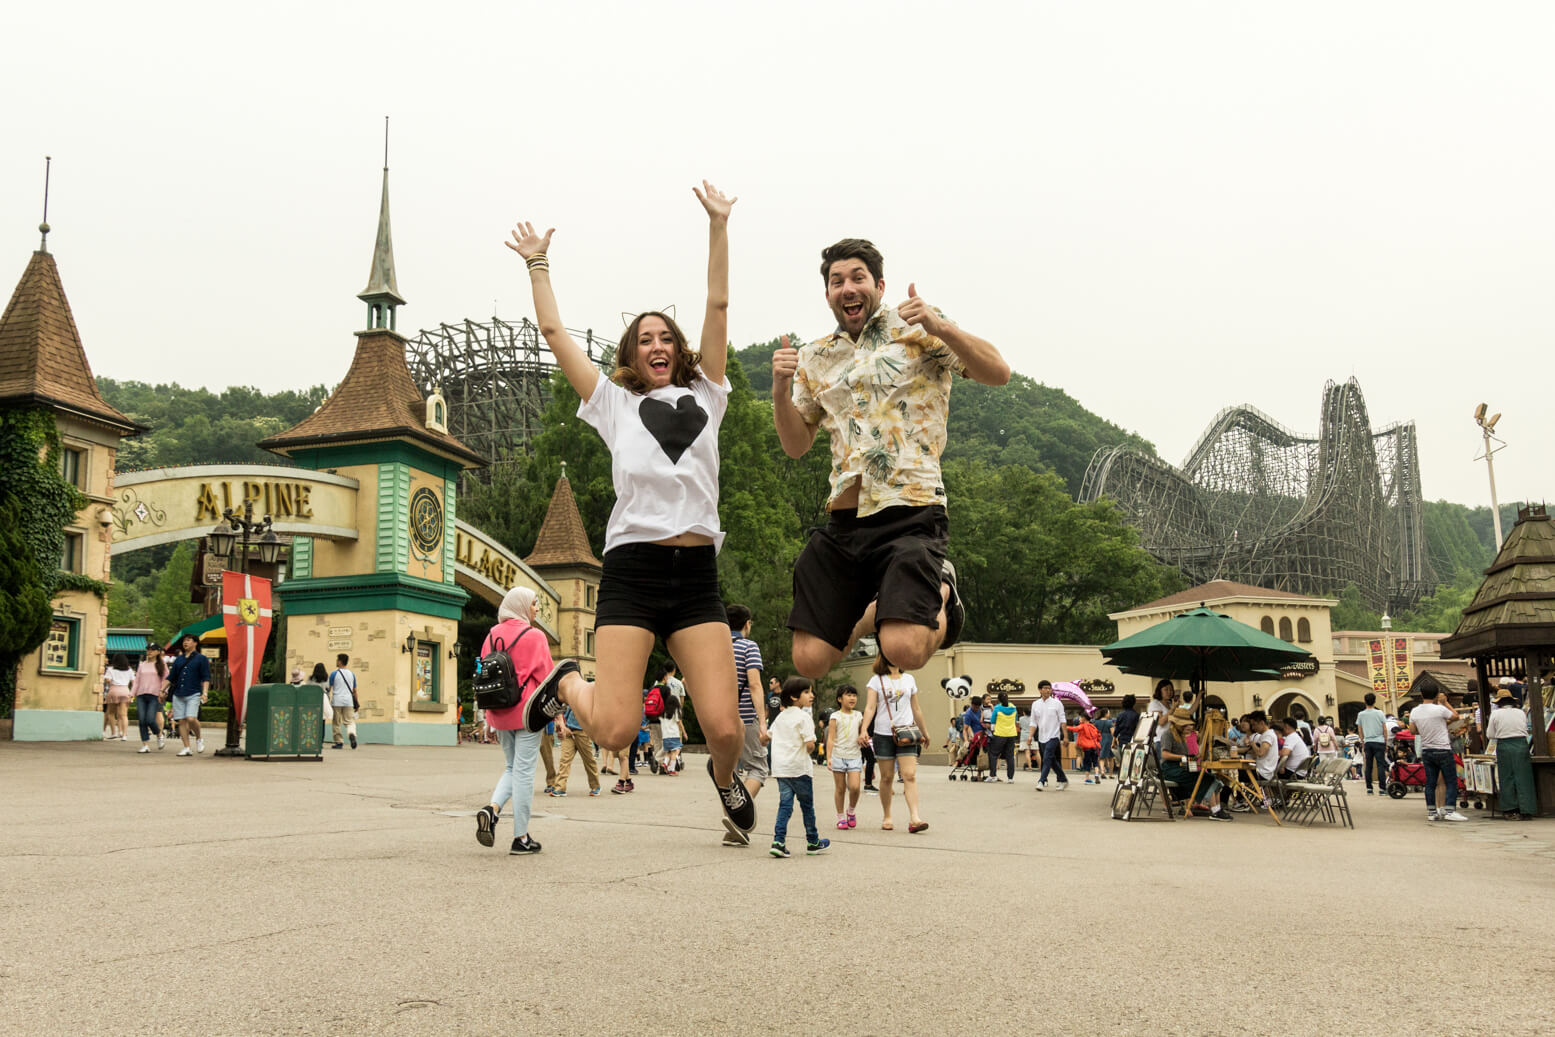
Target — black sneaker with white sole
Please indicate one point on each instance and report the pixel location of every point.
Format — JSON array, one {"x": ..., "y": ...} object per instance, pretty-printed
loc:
[
  {"x": 739, "y": 808},
  {"x": 955, "y": 612},
  {"x": 524, "y": 844},
  {"x": 486, "y": 826},
  {"x": 544, "y": 704}
]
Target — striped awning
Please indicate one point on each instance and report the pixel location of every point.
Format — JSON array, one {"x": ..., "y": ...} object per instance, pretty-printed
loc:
[{"x": 129, "y": 644}]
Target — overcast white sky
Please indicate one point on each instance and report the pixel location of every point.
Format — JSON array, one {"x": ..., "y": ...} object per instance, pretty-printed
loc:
[{"x": 1162, "y": 208}]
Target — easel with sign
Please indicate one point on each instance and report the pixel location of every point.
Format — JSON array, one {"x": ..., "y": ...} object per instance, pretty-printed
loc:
[
  {"x": 1140, "y": 785},
  {"x": 1236, "y": 775}
]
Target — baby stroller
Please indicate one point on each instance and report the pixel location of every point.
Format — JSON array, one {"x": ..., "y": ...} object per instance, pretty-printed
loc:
[
  {"x": 966, "y": 767},
  {"x": 1406, "y": 774}
]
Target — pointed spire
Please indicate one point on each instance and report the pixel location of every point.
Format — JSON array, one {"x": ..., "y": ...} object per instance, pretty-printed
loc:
[
  {"x": 43, "y": 228},
  {"x": 382, "y": 294},
  {"x": 562, "y": 539}
]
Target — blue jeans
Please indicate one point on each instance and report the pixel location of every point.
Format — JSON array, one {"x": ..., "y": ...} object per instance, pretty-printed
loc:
[
  {"x": 788, "y": 790},
  {"x": 522, "y": 750},
  {"x": 1376, "y": 755},
  {"x": 1439, "y": 762},
  {"x": 1050, "y": 762},
  {"x": 146, "y": 708}
]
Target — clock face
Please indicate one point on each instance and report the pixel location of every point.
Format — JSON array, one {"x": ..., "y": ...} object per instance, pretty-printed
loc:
[{"x": 426, "y": 520}]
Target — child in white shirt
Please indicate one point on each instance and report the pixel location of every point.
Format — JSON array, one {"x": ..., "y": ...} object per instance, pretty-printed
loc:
[{"x": 793, "y": 740}]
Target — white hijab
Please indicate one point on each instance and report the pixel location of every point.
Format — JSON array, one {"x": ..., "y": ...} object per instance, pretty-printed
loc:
[{"x": 516, "y": 604}]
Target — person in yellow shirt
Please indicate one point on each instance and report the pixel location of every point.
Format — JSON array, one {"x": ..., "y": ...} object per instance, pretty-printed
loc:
[{"x": 1006, "y": 728}]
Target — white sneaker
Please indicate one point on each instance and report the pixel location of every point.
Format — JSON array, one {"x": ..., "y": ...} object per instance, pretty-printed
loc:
[
  {"x": 185, "y": 751},
  {"x": 145, "y": 748},
  {"x": 1433, "y": 816},
  {"x": 161, "y": 739},
  {"x": 1451, "y": 815},
  {"x": 199, "y": 745},
  {"x": 1063, "y": 786}
]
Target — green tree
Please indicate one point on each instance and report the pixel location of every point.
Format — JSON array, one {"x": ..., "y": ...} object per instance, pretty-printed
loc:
[
  {"x": 1034, "y": 566},
  {"x": 170, "y": 609},
  {"x": 24, "y": 601},
  {"x": 1352, "y": 612}
]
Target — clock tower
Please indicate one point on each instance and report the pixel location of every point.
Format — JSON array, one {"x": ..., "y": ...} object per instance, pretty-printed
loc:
[{"x": 386, "y": 600}]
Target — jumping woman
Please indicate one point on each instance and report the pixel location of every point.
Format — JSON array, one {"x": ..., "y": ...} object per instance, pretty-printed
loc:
[{"x": 659, "y": 414}]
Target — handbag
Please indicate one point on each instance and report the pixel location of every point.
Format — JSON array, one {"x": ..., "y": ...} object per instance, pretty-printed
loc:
[{"x": 901, "y": 734}]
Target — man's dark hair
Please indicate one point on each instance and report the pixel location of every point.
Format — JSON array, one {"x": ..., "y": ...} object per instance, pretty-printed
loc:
[
  {"x": 1258, "y": 716},
  {"x": 853, "y": 248},
  {"x": 1371, "y": 698},
  {"x": 1044, "y": 684},
  {"x": 666, "y": 670},
  {"x": 1187, "y": 697},
  {"x": 1289, "y": 723},
  {"x": 1428, "y": 693},
  {"x": 342, "y": 659},
  {"x": 792, "y": 689},
  {"x": 1129, "y": 700},
  {"x": 739, "y": 615}
]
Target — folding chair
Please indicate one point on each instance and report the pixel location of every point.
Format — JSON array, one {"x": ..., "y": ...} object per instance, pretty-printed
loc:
[{"x": 1323, "y": 793}]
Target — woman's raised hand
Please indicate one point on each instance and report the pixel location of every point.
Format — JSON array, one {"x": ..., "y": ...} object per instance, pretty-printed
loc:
[
  {"x": 714, "y": 201},
  {"x": 526, "y": 242}
]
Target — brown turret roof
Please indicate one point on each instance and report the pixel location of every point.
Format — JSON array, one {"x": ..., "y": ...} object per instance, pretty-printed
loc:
[
  {"x": 41, "y": 359},
  {"x": 1514, "y": 609},
  {"x": 562, "y": 540},
  {"x": 377, "y": 400}
]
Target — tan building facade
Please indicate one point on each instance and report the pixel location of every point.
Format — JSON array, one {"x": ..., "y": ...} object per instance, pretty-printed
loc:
[{"x": 43, "y": 366}]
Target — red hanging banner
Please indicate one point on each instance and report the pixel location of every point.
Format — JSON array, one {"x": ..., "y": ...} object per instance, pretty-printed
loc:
[{"x": 245, "y": 616}]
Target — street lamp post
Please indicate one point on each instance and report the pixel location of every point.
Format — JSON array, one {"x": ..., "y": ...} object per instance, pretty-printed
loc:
[
  {"x": 1488, "y": 427},
  {"x": 231, "y": 531}
]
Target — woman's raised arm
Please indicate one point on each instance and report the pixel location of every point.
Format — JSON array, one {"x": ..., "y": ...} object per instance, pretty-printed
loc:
[
  {"x": 575, "y": 363},
  {"x": 715, "y": 325}
]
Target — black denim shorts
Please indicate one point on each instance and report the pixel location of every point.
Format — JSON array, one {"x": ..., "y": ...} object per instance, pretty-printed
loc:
[
  {"x": 893, "y": 557},
  {"x": 660, "y": 588},
  {"x": 886, "y": 748}
]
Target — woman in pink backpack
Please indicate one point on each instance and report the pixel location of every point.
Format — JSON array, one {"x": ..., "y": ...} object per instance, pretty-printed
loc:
[{"x": 530, "y": 652}]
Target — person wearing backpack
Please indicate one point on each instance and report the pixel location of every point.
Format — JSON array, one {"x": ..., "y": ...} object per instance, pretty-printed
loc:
[
  {"x": 1326, "y": 739},
  {"x": 654, "y": 700},
  {"x": 529, "y": 654},
  {"x": 342, "y": 699}
]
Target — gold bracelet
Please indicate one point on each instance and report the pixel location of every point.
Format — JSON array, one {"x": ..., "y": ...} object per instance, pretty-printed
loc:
[{"x": 538, "y": 259}]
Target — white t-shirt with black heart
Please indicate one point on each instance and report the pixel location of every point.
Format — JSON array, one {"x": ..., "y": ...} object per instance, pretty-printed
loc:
[{"x": 663, "y": 458}]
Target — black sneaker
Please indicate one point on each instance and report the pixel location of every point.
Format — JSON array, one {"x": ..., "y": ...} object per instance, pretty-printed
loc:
[
  {"x": 486, "y": 826},
  {"x": 778, "y": 850},
  {"x": 353, "y": 741},
  {"x": 817, "y": 847},
  {"x": 955, "y": 612},
  {"x": 543, "y": 704},
  {"x": 739, "y": 808},
  {"x": 621, "y": 788},
  {"x": 524, "y": 844}
]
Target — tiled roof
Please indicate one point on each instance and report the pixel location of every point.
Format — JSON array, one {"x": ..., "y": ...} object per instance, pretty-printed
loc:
[
  {"x": 376, "y": 400},
  {"x": 1514, "y": 609},
  {"x": 41, "y": 359},
  {"x": 562, "y": 540},
  {"x": 1217, "y": 590}
]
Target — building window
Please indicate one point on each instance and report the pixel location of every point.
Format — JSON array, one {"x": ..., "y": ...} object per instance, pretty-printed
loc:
[
  {"x": 588, "y": 642},
  {"x": 1285, "y": 631},
  {"x": 1304, "y": 630},
  {"x": 72, "y": 465},
  {"x": 1266, "y": 624},
  {"x": 62, "y": 649},
  {"x": 588, "y": 596},
  {"x": 71, "y": 558},
  {"x": 423, "y": 677}
]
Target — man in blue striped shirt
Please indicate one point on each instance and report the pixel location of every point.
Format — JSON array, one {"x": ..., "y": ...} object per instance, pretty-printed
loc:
[{"x": 752, "y": 765}]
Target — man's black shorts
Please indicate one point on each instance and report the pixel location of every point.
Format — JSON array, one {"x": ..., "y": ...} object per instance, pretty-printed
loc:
[{"x": 894, "y": 557}]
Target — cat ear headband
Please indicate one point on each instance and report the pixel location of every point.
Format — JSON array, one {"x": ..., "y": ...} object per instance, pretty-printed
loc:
[{"x": 627, "y": 318}]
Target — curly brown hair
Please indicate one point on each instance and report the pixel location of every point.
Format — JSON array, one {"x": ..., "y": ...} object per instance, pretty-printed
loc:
[{"x": 686, "y": 359}]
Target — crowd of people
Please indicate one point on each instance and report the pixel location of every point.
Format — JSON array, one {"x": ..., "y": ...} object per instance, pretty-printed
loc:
[{"x": 167, "y": 690}]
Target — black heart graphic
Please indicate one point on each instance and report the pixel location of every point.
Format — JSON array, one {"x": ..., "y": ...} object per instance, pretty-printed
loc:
[{"x": 677, "y": 427}]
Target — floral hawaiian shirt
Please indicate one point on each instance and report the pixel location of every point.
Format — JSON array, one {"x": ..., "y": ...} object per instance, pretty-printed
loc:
[{"x": 884, "y": 401}]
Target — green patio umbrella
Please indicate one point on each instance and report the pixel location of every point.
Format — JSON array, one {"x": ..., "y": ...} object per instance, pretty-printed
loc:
[{"x": 1204, "y": 645}]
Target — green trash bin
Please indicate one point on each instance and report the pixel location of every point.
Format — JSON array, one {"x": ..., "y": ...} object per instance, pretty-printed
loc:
[{"x": 285, "y": 722}]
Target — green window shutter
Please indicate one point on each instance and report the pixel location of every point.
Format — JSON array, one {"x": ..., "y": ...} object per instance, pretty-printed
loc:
[
  {"x": 302, "y": 558},
  {"x": 393, "y": 517},
  {"x": 450, "y": 494}
]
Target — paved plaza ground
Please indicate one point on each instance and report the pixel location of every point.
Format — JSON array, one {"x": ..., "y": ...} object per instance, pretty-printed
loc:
[{"x": 155, "y": 894}]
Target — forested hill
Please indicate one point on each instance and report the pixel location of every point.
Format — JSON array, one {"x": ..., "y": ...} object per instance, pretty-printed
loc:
[{"x": 1025, "y": 422}]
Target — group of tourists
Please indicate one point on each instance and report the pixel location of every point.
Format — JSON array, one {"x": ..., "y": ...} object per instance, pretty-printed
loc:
[
  {"x": 152, "y": 683},
  {"x": 879, "y": 384},
  {"x": 991, "y": 731},
  {"x": 338, "y": 688}
]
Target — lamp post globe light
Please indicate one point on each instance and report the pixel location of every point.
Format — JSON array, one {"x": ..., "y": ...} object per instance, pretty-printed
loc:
[{"x": 239, "y": 531}]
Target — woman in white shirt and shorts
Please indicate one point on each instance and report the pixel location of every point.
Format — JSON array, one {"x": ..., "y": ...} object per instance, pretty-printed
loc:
[{"x": 659, "y": 414}]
